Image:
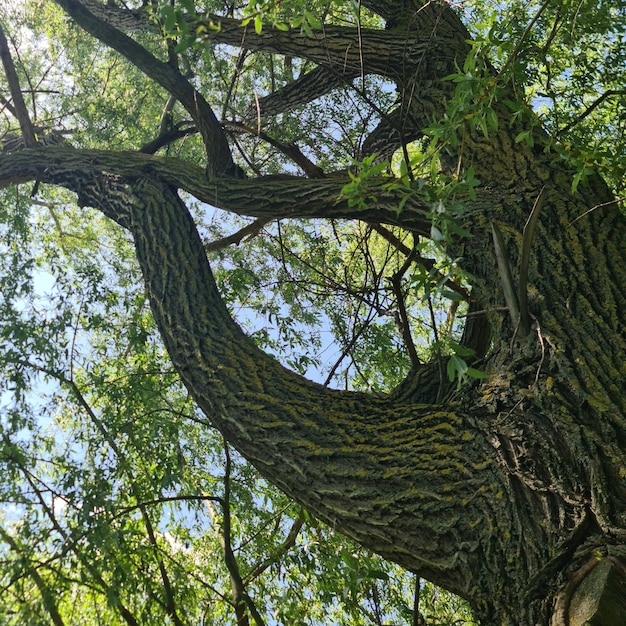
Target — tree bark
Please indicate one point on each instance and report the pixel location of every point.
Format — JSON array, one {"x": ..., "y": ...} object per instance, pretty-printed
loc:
[{"x": 493, "y": 495}]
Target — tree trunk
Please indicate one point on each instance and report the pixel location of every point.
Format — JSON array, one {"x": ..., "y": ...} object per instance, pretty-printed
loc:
[{"x": 509, "y": 493}]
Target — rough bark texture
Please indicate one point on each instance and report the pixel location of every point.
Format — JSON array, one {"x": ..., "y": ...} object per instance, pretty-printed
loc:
[{"x": 511, "y": 493}]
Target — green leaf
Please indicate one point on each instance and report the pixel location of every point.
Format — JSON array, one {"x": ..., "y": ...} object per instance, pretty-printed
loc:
[
  {"x": 474, "y": 373},
  {"x": 258, "y": 24},
  {"x": 312, "y": 20}
]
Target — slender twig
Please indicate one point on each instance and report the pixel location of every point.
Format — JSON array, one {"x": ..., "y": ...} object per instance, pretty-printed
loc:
[
  {"x": 241, "y": 599},
  {"x": 247, "y": 232},
  {"x": 594, "y": 105},
  {"x": 291, "y": 151},
  {"x": 527, "y": 240},
  {"x": 290, "y": 542},
  {"x": 429, "y": 264},
  {"x": 184, "y": 498},
  {"x": 347, "y": 349},
  {"x": 597, "y": 206}
]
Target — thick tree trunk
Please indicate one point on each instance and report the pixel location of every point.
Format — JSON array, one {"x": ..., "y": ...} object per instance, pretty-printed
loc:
[
  {"x": 507, "y": 494},
  {"x": 502, "y": 495}
]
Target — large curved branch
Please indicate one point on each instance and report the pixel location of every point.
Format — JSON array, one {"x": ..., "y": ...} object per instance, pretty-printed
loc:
[
  {"x": 219, "y": 156},
  {"x": 266, "y": 197},
  {"x": 305, "y": 89},
  {"x": 414, "y": 475},
  {"x": 335, "y": 46},
  {"x": 424, "y": 471}
]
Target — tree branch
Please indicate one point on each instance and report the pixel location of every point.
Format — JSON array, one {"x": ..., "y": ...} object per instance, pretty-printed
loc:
[
  {"x": 246, "y": 232},
  {"x": 265, "y": 197},
  {"x": 122, "y": 19},
  {"x": 344, "y": 49},
  {"x": 292, "y": 151},
  {"x": 19, "y": 106},
  {"x": 591, "y": 108},
  {"x": 277, "y": 555},
  {"x": 285, "y": 424},
  {"x": 219, "y": 157},
  {"x": 236, "y": 582},
  {"x": 405, "y": 325},
  {"x": 305, "y": 89}
]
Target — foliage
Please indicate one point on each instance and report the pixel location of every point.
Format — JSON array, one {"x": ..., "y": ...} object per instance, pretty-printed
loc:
[{"x": 120, "y": 502}]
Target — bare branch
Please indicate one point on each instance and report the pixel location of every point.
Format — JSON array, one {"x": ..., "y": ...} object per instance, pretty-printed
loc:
[
  {"x": 291, "y": 150},
  {"x": 19, "y": 106},
  {"x": 219, "y": 157},
  {"x": 592, "y": 107},
  {"x": 166, "y": 137},
  {"x": 290, "y": 542},
  {"x": 246, "y": 232}
]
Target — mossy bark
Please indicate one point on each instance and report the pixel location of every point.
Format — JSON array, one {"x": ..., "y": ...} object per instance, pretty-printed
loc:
[
  {"x": 502, "y": 492},
  {"x": 495, "y": 494}
]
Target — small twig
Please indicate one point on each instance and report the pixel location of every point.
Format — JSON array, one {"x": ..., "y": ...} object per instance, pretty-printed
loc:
[
  {"x": 190, "y": 498},
  {"x": 527, "y": 240},
  {"x": 484, "y": 311},
  {"x": 241, "y": 599},
  {"x": 6, "y": 104},
  {"x": 291, "y": 151},
  {"x": 249, "y": 231},
  {"x": 346, "y": 351},
  {"x": 290, "y": 542},
  {"x": 179, "y": 130},
  {"x": 429, "y": 264},
  {"x": 543, "y": 351},
  {"x": 593, "y": 208},
  {"x": 594, "y": 105}
]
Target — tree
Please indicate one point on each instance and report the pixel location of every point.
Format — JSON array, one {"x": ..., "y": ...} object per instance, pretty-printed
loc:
[{"x": 496, "y": 469}]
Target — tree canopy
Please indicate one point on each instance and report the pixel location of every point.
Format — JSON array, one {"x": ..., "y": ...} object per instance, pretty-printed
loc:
[{"x": 403, "y": 364}]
